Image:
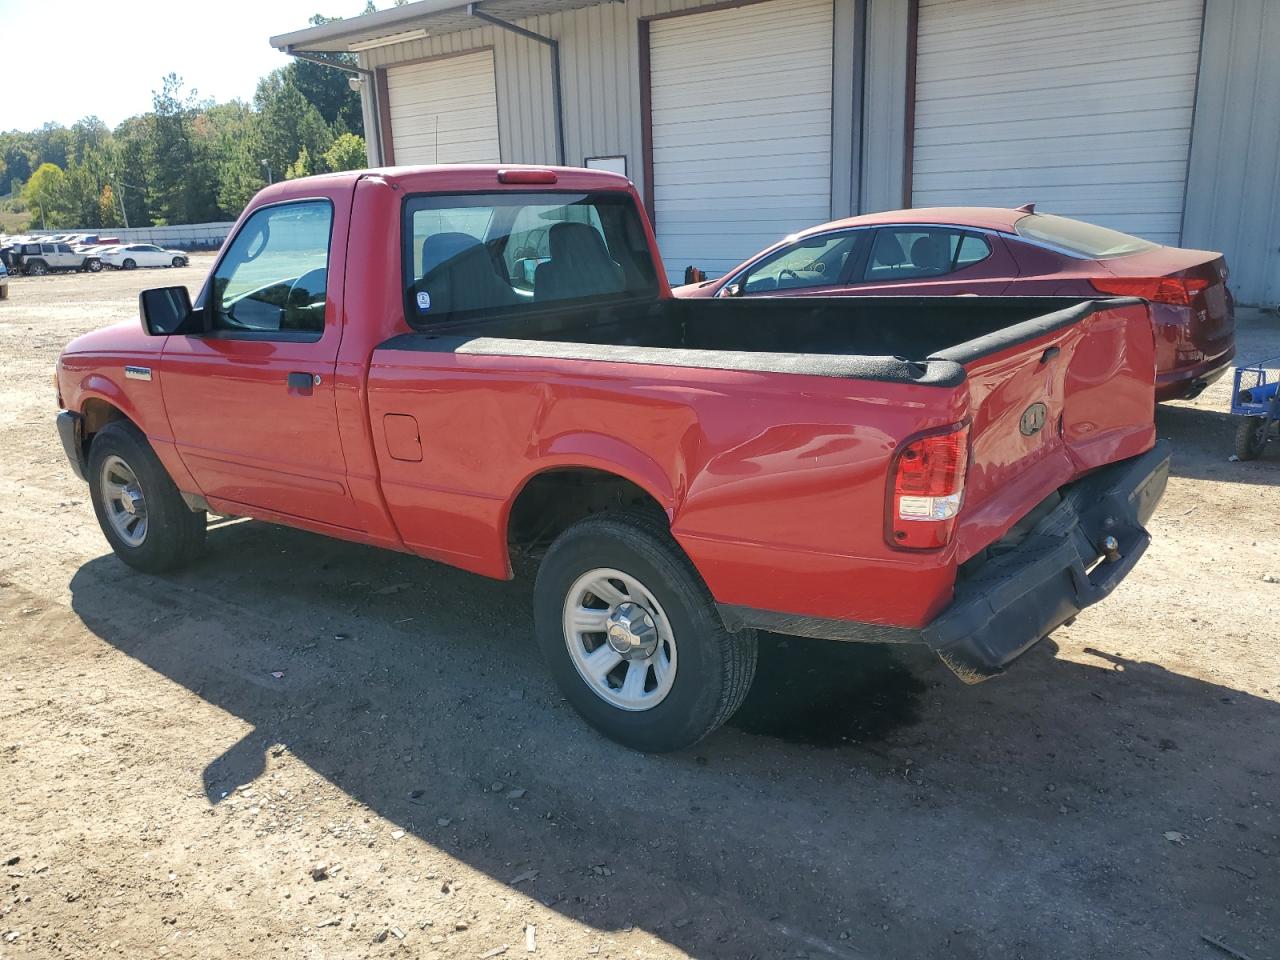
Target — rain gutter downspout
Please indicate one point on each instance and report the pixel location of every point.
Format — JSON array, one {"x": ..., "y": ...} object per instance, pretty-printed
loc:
[{"x": 554, "y": 46}]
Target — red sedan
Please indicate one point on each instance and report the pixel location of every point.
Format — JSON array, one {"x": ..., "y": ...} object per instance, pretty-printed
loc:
[{"x": 992, "y": 251}]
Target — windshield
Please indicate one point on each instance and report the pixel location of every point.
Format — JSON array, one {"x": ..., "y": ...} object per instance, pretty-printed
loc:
[
  {"x": 1086, "y": 241},
  {"x": 468, "y": 255}
]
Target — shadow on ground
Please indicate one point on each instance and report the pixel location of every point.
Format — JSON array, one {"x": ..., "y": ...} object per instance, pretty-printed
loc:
[{"x": 861, "y": 790}]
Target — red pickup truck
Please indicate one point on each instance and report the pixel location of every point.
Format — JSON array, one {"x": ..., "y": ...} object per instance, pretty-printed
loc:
[{"x": 475, "y": 364}]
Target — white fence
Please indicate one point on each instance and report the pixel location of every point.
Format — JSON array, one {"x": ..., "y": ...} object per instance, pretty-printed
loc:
[{"x": 191, "y": 236}]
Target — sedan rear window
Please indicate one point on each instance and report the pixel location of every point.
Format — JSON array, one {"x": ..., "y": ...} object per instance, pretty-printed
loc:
[{"x": 1086, "y": 241}]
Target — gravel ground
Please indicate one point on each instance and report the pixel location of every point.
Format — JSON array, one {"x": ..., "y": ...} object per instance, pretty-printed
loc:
[{"x": 164, "y": 792}]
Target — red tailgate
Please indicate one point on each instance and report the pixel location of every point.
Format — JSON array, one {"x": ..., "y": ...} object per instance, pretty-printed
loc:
[{"x": 1076, "y": 393}]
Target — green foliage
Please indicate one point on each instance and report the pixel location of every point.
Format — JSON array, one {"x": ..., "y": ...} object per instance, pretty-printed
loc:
[
  {"x": 347, "y": 153},
  {"x": 188, "y": 160},
  {"x": 45, "y": 194}
]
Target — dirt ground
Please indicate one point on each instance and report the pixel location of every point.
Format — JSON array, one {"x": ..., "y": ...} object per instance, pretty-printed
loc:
[{"x": 163, "y": 793}]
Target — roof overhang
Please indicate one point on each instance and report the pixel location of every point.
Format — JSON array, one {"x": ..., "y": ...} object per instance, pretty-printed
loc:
[{"x": 405, "y": 23}]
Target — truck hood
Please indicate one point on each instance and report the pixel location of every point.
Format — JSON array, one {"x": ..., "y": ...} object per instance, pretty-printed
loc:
[{"x": 126, "y": 337}]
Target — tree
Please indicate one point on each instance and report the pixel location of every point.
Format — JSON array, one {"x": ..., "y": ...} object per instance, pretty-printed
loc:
[
  {"x": 46, "y": 195},
  {"x": 300, "y": 167},
  {"x": 287, "y": 123},
  {"x": 347, "y": 153},
  {"x": 108, "y": 214},
  {"x": 327, "y": 89}
]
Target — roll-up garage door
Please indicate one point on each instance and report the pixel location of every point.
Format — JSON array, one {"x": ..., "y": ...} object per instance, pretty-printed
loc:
[
  {"x": 444, "y": 111},
  {"x": 1082, "y": 106},
  {"x": 741, "y": 108}
]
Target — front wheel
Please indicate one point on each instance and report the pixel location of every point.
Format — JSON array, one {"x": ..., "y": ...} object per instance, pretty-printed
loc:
[
  {"x": 632, "y": 637},
  {"x": 93, "y": 266},
  {"x": 141, "y": 512},
  {"x": 179, "y": 261},
  {"x": 129, "y": 263}
]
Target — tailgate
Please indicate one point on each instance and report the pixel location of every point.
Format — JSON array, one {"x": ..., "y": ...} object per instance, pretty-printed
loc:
[{"x": 1050, "y": 400}]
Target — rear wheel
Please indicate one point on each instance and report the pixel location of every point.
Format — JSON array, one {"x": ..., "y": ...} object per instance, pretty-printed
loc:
[
  {"x": 1251, "y": 437},
  {"x": 129, "y": 263},
  {"x": 93, "y": 266},
  {"x": 37, "y": 268},
  {"x": 632, "y": 636},
  {"x": 141, "y": 512}
]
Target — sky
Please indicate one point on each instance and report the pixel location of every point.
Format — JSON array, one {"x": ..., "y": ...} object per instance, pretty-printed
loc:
[{"x": 68, "y": 59}]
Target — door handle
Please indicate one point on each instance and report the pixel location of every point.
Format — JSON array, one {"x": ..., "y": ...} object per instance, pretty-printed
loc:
[
  {"x": 1049, "y": 354},
  {"x": 303, "y": 382}
]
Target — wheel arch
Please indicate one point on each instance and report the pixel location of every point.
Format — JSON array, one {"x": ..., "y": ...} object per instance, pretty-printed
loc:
[{"x": 551, "y": 499}]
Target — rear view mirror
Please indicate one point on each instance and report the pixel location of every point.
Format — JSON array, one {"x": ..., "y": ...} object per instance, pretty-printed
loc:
[{"x": 165, "y": 310}]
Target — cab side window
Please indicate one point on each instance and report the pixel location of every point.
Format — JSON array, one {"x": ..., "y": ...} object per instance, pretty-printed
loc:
[{"x": 271, "y": 283}]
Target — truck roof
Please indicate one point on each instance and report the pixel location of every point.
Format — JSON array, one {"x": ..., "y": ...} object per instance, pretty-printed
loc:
[{"x": 468, "y": 177}]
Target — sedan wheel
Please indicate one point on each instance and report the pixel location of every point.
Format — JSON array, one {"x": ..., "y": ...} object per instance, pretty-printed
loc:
[{"x": 129, "y": 263}]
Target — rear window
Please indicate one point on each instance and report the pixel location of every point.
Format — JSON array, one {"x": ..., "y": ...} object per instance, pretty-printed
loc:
[
  {"x": 471, "y": 255},
  {"x": 1087, "y": 241}
]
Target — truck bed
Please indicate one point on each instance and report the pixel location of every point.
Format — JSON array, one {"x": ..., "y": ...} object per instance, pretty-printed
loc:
[{"x": 914, "y": 340}]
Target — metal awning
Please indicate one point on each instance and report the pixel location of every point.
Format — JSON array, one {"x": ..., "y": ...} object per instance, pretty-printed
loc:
[{"x": 436, "y": 17}]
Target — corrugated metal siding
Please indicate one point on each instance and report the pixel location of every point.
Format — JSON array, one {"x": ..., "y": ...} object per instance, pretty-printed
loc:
[
  {"x": 1083, "y": 106},
  {"x": 601, "y": 82},
  {"x": 1233, "y": 187}
]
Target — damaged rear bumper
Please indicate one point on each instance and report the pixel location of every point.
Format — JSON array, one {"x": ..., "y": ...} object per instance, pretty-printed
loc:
[
  {"x": 1020, "y": 589},
  {"x": 1017, "y": 594}
]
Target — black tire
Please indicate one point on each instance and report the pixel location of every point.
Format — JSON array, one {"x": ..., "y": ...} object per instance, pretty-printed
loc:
[
  {"x": 1251, "y": 438},
  {"x": 37, "y": 268},
  {"x": 175, "y": 534},
  {"x": 714, "y": 667},
  {"x": 129, "y": 263},
  {"x": 93, "y": 266},
  {"x": 179, "y": 261}
]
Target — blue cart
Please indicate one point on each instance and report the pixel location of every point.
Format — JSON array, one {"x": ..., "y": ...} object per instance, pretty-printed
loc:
[{"x": 1256, "y": 398}]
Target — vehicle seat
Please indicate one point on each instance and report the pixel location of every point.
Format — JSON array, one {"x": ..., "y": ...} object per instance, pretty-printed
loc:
[
  {"x": 931, "y": 254},
  {"x": 304, "y": 309},
  {"x": 460, "y": 275},
  {"x": 580, "y": 265}
]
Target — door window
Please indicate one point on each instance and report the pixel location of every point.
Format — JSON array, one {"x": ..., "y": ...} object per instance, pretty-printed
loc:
[
  {"x": 921, "y": 252},
  {"x": 811, "y": 262},
  {"x": 271, "y": 282}
]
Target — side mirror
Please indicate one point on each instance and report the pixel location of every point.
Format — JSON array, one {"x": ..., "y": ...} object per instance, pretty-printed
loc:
[
  {"x": 167, "y": 310},
  {"x": 732, "y": 290}
]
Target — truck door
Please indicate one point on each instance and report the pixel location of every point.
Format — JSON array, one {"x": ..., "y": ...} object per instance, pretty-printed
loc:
[{"x": 251, "y": 400}]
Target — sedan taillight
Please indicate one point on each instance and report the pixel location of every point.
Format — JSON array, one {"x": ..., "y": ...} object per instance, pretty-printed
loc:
[
  {"x": 928, "y": 485},
  {"x": 1176, "y": 290}
]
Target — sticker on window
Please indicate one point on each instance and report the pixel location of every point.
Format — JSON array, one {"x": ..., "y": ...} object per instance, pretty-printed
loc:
[{"x": 424, "y": 301}]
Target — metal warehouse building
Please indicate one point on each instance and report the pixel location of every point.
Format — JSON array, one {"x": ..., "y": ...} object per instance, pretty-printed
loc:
[{"x": 743, "y": 121}]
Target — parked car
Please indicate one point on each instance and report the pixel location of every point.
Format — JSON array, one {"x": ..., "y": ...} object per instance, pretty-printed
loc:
[
  {"x": 130, "y": 255},
  {"x": 4, "y": 281},
  {"x": 998, "y": 252},
  {"x": 37, "y": 259},
  {"x": 370, "y": 359}
]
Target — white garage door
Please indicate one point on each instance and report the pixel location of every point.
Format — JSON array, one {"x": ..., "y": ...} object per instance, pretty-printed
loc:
[
  {"x": 741, "y": 103},
  {"x": 444, "y": 111},
  {"x": 1082, "y": 106}
]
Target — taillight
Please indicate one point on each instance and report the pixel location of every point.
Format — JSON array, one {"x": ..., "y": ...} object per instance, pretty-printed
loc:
[
  {"x": 1175, "y": 290},
  {"x": 928, "y": 484}
]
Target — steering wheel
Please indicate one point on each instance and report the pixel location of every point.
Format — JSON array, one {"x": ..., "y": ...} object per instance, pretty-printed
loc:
[{"x": 787, "y": 270}]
